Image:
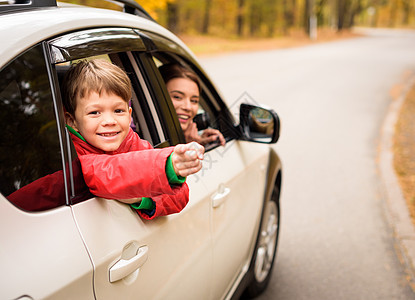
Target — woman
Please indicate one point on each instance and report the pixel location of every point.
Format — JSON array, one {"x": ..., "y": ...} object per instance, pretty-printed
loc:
[{"x": 184, "y": 89}]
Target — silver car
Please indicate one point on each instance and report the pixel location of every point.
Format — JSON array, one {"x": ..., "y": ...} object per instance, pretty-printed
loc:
[{"x": 78, "y": 246}]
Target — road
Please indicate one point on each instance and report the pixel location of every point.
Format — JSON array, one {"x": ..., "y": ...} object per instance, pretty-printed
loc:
[{"x": 332, "y": 98}]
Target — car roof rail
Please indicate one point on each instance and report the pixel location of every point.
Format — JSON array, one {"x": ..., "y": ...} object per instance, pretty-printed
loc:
[
  {"x": 132, "y": 7},
  {"x": 16, "y": 5}
]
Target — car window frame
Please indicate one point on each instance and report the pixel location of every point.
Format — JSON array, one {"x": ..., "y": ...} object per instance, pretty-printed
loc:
[
  {"x": 131, "y": 52},
  {"x": 168, "y": 50}
]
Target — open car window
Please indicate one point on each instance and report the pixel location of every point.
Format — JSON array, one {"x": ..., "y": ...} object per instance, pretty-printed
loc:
[
  {"x": 210, "y": 113},
  {"x": 83, "y": 45}
]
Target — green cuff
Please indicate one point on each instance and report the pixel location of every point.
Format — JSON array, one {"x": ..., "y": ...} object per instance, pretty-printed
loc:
[
  {"x": 171, "y": 175},
  {"x": 146, "y": 203}
]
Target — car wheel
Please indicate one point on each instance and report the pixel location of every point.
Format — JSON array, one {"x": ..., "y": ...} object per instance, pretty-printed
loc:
[{"x": 266, "y": 247}]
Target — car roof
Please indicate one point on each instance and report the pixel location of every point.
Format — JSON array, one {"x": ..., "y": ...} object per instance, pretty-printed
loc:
[{"x": 23, "y": 29}]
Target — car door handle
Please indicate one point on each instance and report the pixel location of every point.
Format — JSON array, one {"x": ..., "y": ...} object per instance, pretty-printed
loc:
[
  {"x": 125, "y": 267},
  {"x": 220, "y": 196}
]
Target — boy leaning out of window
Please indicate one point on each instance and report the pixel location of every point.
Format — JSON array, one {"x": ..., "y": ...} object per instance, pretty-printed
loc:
[{"x": 116, "y": 163}]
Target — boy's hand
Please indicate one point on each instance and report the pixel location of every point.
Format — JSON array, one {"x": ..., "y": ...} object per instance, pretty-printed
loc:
[{"x": 187, "y": 158}]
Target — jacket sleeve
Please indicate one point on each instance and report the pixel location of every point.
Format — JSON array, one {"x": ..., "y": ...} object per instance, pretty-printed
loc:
[
  {"x": 44, "y": 193},
  {"x": 127, "y": 175},
  {"x": 168, "y": 204}
]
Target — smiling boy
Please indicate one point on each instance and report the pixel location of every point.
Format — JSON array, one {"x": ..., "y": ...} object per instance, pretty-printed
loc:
[{"x": 115, "y": 162}]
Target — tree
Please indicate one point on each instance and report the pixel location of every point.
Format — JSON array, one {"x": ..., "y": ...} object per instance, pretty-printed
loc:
[
  {"x": 288, "y": 8},
  {"x": 254, "y": 18},
  {"x": 393, "y": 13},
  {"x": 172, "y": 16},
  {"x": 307, "y": 15},
  {"x": 240, "y": 17},
  {"x": 407, "y": 9},
  {"x": 206, "y": 17}
]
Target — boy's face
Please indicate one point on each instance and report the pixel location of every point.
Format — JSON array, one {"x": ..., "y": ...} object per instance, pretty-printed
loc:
[{"x": 103, "y": 121}]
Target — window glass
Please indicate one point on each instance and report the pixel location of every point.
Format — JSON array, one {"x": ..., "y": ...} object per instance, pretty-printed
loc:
[{"x": 30, "y": 158}]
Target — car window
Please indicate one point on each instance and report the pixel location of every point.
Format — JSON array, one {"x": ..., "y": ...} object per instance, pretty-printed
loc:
[
  {"x": 123, "y": 47},
  {"x": 210, "y": 112},
  {"x": 145, "y": 121},
  {"x": 31, "y": 163}
]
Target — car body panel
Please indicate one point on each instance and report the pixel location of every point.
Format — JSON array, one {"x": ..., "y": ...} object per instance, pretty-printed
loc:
[
  {"x": 178, "y": 248},
  {"x": 37, "y": 261},
  {"x": 240, "y": 167}
]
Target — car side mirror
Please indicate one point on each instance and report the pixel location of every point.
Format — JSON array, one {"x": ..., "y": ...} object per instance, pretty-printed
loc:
[{"x": 259, "y": 124}]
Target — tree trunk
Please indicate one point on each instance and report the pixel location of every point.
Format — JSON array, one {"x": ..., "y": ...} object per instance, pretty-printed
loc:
[
  {"x": 341, "y": 13},
  {"x": 354, "y": 10},
  {"x": 173, "y": 17},
  {"x": 393, "y": 13},
  {"x": 288, "y": 13},
  {"x": 206, "y": 17},
  {"x": 255, "y": 19},
  {"x": 406, "y": 11},
  {"x": 306, "y": 17},
  {"x": 240, "y": 18}
]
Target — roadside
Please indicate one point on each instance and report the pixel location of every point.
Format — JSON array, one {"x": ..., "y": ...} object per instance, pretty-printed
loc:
[
  {"x": 208, "y": 45},
  {"x": 395, "y": 161},
  {"x": 404, "y": 150}
]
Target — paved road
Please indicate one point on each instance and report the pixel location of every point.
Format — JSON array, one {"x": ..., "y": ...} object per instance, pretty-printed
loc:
[{"x": 335, "y": 242}]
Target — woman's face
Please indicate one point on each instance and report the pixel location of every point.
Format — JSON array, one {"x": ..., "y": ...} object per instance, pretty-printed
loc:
[{"x": 184, "y": 94}]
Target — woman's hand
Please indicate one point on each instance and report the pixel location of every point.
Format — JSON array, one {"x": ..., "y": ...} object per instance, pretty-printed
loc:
[
  {"x": 191, "y": 134},
  {"x": 209, "y": 135}
]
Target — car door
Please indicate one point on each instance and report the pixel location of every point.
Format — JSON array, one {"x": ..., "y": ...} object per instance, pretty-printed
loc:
[
  {"x": 165, "y": 258},
  {"x": 42, "y": 254},
  {"x": 235, "y": 179},
  {"x": 234, "y": 176}
]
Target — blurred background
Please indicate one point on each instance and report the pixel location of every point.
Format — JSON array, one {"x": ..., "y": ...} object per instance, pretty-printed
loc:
[{"x": 272, "y": 18}]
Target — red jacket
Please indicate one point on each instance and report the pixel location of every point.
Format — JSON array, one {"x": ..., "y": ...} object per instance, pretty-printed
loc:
[{"x": 137, "y": 170}]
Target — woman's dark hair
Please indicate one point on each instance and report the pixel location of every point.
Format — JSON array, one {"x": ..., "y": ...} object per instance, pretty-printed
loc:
[{"x": 174, "y": 70}]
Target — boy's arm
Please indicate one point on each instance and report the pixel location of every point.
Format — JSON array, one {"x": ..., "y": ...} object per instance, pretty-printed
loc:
[
  {"x": 147, "y": 204},
  {"x": 167, "y": 204},
  {"x": 128, "y": 175},
  {"x": 172, "y": 177}
]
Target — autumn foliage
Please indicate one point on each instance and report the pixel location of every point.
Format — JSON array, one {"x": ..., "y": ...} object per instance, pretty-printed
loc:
[{"x": 271, "y": 18}]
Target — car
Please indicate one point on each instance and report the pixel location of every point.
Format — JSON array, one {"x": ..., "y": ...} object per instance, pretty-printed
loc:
[{"x": 77, "y": 246}]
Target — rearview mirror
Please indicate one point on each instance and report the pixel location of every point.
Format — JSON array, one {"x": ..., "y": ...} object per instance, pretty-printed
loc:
[{"x": 259, "y": 124}]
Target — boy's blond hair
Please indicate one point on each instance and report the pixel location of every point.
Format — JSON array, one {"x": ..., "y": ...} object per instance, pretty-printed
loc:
[{"x": 96, "y": 75}]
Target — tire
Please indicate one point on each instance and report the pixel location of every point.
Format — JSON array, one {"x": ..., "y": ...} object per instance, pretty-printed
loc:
[{"x": 266, "y": 248}]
